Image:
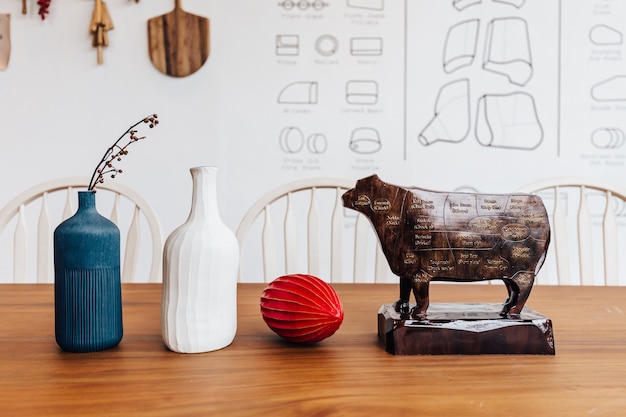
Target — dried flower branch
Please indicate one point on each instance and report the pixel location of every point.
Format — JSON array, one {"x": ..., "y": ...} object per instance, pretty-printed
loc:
[
  {"x": 116, "y": 152},
  {"x": 44, "y": 8}
]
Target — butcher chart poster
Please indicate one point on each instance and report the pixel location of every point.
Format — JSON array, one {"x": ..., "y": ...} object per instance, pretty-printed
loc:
[
  {"x": 483, "y": 96},
  {"x": 448, "y": 93}
]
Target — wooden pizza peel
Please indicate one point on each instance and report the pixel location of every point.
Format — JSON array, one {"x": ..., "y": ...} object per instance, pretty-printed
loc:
[
  {"x": 179, "y": 42},
  {"x": 5, "y": 40}
]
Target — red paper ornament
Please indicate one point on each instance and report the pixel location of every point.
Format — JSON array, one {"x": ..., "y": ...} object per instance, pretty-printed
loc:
[{"x": 301, "y": 308}]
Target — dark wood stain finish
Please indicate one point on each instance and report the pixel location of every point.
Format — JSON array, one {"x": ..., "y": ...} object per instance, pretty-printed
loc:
[{"x": 438, "y": 236}]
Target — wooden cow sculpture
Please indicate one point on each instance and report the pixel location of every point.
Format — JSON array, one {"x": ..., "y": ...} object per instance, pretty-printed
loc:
[{"x": 437, "y": 236}]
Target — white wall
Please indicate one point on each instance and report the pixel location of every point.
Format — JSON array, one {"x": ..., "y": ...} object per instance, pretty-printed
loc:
[{"x": 59, "y": 109}]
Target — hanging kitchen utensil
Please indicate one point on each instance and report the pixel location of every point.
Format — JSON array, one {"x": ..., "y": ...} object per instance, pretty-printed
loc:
[
  {"x": 5, "y": 40},
  {"x": 179, "y": 42},
  {"x": 100, "y": 24}
]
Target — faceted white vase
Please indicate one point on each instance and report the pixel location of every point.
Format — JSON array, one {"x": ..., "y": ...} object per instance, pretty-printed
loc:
[{"x": 200, "y": 266}]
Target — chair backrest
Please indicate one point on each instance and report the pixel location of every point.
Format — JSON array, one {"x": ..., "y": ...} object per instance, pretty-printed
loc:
[
  {"x": 302, "y": 227},
  {"x": 56, "y": 200},
  {"x": 588, "y": 218}
]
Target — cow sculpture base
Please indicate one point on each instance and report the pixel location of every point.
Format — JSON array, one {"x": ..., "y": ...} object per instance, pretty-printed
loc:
[{"x": 465, "y": 329}]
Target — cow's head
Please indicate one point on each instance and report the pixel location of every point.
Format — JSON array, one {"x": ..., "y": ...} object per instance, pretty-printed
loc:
[
  {"x": 371, "y": 196},
  {"x": 360, "y": 197}
]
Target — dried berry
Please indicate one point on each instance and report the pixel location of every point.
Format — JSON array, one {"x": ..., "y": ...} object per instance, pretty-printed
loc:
[{"x": 115, "y": 153}]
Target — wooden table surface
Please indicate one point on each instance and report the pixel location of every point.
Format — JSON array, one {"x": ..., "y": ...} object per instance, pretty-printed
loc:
[{"x": 348, "y": 374}]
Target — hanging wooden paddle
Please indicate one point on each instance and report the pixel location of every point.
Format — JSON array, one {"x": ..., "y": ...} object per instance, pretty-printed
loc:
[
  {"x": 5, "y": 40},
  {"x": 178, "y": 41}
]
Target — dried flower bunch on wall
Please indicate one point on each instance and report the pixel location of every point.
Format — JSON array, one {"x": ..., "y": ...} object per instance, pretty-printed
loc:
[
  {"x": 44, "y": 8},
  {"x": 115, "y": 152}
]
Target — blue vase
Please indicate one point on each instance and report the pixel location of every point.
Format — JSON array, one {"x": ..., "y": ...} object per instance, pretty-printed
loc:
[{"x": 87, "y": 284}]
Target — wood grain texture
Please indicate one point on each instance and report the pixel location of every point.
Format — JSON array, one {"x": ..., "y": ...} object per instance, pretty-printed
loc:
[
  {"x": 348, "y": 374},
  {"x": 179, "y": 42},
  {"x": 5, "y": 40},
  {"x": 454, "y": 236}
]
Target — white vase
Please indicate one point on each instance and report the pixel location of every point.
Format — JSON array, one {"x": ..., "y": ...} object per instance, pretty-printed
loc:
[{"x": 200, "y": 266}]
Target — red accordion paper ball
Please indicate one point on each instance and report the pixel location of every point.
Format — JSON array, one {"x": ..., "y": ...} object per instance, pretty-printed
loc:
[{"x": 301, "y": 308}]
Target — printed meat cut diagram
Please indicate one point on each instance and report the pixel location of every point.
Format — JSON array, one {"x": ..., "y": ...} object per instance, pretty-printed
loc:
[
  {"x": 508, "y": 121},
  {"x": 507, "y": 50},
  {"x": 451, "y": 120},
  {"x": 503, "y": 119},
  {"x": 439, "y": 236},
  {"x": 611, "y": 89}
]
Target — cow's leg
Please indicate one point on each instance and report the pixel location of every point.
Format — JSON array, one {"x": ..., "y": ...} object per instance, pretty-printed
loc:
[
  {"x": 512, "y": 291},
  {"x": 402, "y": 305},
  {"x": 420, "y": 290},
  {"x": 524, "y": 281}
]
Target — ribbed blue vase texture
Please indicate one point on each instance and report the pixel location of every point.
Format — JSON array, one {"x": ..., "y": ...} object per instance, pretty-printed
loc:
[{"x": 87, "y": 284}]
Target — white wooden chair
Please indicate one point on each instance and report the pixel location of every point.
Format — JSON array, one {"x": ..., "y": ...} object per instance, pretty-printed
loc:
[
  {"x": 51, "y": 202},
  {"x": 302, "y": 227},
  {"x": 588, "y": 218}
]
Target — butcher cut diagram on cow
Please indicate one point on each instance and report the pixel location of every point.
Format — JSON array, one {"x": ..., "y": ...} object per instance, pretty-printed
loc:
[{"x": 438, "y": 236}]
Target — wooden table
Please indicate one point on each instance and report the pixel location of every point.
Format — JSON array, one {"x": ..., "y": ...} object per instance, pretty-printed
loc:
[{"x": 346, "y": 375}]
